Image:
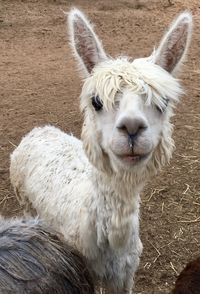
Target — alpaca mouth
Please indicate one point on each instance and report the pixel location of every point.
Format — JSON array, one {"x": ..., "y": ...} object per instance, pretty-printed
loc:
[{"x": 133, "y": 158}]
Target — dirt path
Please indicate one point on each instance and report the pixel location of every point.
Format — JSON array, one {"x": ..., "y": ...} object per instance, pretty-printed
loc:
[{"x": 39, "y": 84}]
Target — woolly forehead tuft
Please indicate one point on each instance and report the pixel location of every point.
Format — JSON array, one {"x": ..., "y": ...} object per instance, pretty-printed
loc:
[{"x": 141, "y": 76}]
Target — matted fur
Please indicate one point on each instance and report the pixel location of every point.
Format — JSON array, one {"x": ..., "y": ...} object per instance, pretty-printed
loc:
[
  {"x": 85, "y": 188},
  {"x": 35, "y": 260}
]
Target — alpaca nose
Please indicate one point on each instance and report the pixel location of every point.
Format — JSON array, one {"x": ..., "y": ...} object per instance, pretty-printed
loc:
[{"x": 132, "y": 126}]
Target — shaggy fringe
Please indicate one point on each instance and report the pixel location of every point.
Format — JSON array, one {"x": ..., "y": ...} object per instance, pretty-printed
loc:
[{"x": 141, "y": 76}]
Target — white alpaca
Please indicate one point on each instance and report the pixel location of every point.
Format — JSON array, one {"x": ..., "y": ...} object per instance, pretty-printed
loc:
[{"x": 90, "y": 191}]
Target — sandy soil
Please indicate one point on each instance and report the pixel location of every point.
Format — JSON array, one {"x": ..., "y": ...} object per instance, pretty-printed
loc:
[{"x": 39, "y": 84}]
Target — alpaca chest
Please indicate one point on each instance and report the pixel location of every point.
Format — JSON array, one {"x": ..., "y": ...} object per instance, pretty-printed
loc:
[{"x": 112, "y": 264}]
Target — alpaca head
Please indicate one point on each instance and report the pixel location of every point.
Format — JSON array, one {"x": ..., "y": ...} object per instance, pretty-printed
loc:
[{"x": 127, "y": 104}]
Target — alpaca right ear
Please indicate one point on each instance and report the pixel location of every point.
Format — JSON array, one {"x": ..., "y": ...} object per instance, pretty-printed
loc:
[
  {"x": 86, "y": 45},
  {"x": 174, "y": 44}
]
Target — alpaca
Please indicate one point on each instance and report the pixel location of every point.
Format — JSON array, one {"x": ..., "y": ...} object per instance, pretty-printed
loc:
[
  {"x": 188, "y": 282},
  {"x": 34, "y": 260},
  {"x": 89, "y": 190}
]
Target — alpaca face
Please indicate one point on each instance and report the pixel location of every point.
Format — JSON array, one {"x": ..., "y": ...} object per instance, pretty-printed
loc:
[
  {"x": 127, "y": 105},
  {"x": 130, "y": 131}
]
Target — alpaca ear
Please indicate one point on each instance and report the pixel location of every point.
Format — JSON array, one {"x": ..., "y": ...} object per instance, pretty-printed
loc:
[
  {"x": 86, "y": 45},
  {"x": 174, "y": 44}
]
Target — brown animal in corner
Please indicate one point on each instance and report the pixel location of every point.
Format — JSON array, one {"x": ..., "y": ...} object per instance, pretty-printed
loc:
[
  {"x": 188, "y": 282},
  {"x": 34, "y": 260}
]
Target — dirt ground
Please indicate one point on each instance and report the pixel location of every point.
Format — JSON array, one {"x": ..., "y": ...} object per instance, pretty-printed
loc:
[{"x": 39, "y": 84}]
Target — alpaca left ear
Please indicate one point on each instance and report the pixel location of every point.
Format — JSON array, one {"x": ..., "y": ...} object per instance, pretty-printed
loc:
[
  {"x": 174, "y": 44},
  {"x": 85, "y": 43}
]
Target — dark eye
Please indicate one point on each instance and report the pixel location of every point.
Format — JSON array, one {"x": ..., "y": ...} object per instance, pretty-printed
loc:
[
  {"x": 162, "y": 109},
  {"x": 96, "y": 102}
]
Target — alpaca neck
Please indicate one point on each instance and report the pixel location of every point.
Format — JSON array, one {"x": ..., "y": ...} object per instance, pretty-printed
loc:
[
  {"x": 118, "y": 202},
  {"x": 118, "y": 188}
]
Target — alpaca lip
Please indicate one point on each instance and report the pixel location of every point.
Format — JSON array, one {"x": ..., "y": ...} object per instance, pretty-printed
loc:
[{"x": 133, "y": 158}]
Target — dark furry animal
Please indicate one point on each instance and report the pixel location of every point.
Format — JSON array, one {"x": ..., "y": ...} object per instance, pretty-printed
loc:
[
  {"x": 34, "y": 260},
  {"x": 188, "y": 282}
]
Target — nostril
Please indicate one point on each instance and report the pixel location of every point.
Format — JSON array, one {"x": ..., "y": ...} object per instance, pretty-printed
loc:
[
  {"x": 142, "y": 128},
  {"x": 133, "y": 129},
  {"x": 138, "y": 130},
  {"x": 122, "y": 128}
]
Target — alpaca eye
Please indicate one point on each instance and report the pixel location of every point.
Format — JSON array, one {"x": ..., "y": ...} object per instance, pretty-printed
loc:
[
  {"x": 96, "y": 102},
  {"x": 159, "y": 109},
  {"x": 162, "y": 109}
]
